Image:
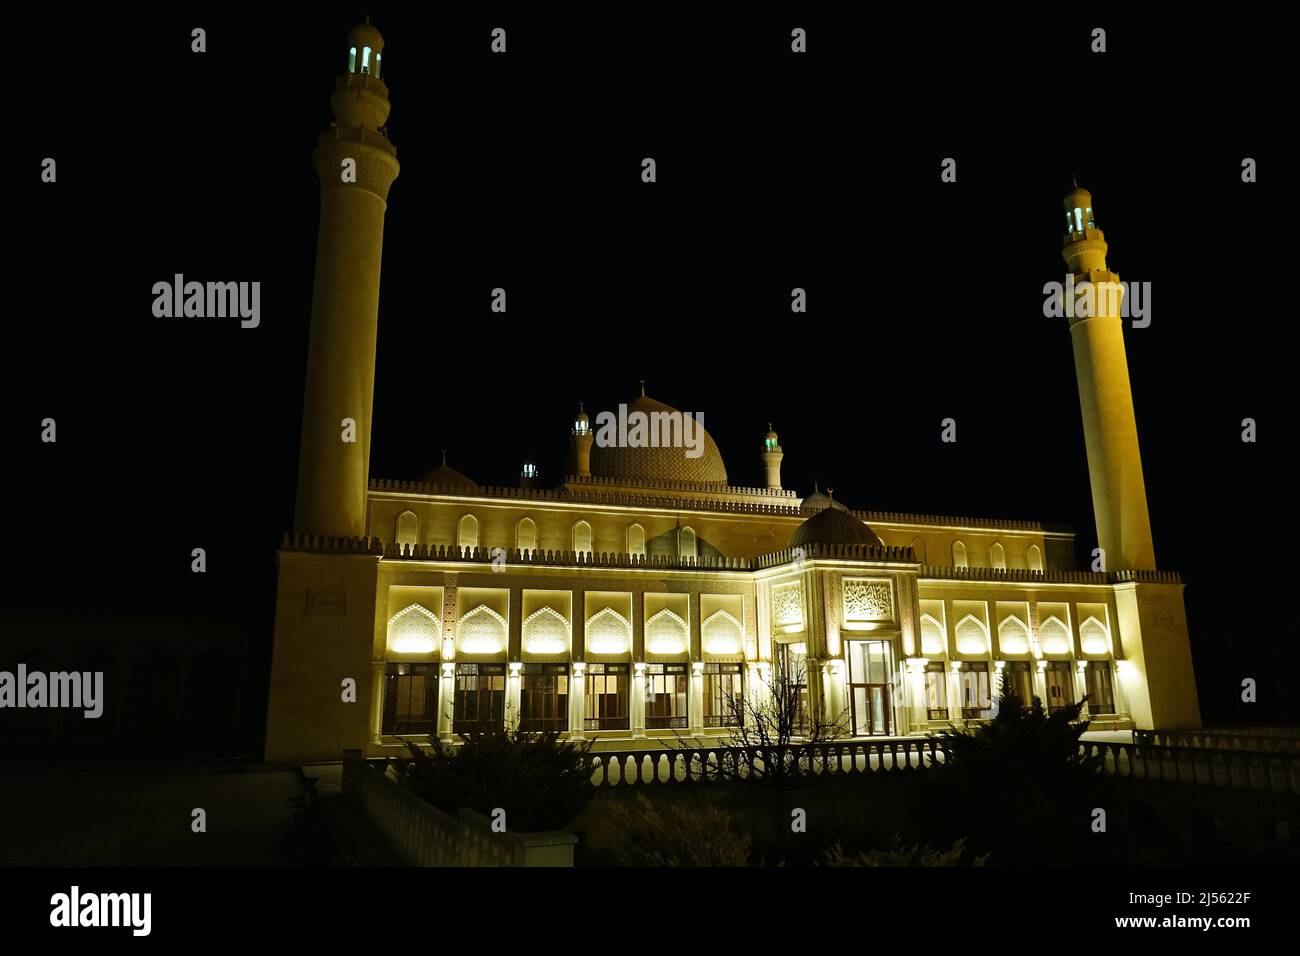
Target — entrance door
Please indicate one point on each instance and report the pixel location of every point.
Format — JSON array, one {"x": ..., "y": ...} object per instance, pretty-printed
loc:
[
  {"x": 792, "y": 683},
  {"x": 870, "y": 669}
]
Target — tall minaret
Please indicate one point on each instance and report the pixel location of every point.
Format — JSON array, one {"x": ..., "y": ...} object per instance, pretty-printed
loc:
[
  {"x": 581, "y": 438},
  {"x": 1119, "y": 496},
  {"x": 772, "y": 456},
  {"x": 356, "y": 164}
]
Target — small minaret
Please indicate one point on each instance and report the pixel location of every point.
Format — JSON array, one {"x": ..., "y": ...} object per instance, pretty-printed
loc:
[
  {"x": 1119, "y": 497},
  {"x": 772, "y": 456},
  {"x": 356, "y": 164},
  {"x": 528, "y": 474},
  {"x": 581, "y": 439}
]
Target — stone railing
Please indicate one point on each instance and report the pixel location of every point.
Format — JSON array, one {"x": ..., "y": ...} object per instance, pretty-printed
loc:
[
  {"x": 423, "y": 835},
  {"x": 947, "y": 572},
  {"x": 1266, "y": 739},
  {"x": 1276, "y": 772}
]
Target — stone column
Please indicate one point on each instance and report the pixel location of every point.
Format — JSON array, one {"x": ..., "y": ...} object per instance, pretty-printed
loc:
[
  {"x": 514, "y": 686},
  {"x": 377, "y": 710},
  {"x": 636, "y": 708},
  {"x": 577, "y": 701},
  {"x": 446, "y": 700}
]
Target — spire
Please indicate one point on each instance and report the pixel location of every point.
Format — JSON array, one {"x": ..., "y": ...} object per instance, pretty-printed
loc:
[
  {"x": 444, "y": 458},
  {"x": 643, "y": 388}
]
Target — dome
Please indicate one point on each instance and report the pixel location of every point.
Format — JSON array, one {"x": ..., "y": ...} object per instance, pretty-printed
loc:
[
  {"x": 833, "y": 526},
  {"x": 662, "y": 464},
  {"x": 820, "y": 501},
  {"x": 448, "y": 478},
  {"x": 365, "y": 35}
]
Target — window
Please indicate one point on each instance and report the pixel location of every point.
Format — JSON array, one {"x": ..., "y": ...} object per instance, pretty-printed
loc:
[
  {"x": 605, "y": 704},
  {"x": 582, "y": 537},
  {"x": 378, "y": 58},
  {"x": 998, "y": 557},
  {"x": 936, "y": 691},
  {"x": 724, "y": 695},
  {"x": 958, "y": 555},
  {"x": 918, "y": 550},
  {"x": 410, "y": 698},
  {"x": 1013, "y": 636},
  {"x": 1035, "y": 558},
  {"x": 1101, "y": 690},
  {"x": 686, "y": 543},
  {"x": 408, "y": 529},
  {"x": 1018, "y": 678},
  {"x": 480, "y": 698},
  {"x": 870, "y": 687},
  {"x": 1060, "y": 685},
  {"x": 544, "y": 697},
  {"x": 467, "y": 532},
  {"x": 666, "y": 691},
  {"x": 971, "y": 636},
  {"x": 365, "y": 64},
  {"x": 933, "y": 641},
  {"x": 352, "y": 60},
  {"x": 1087, "y": 216},
  {"x": 636, "y": 541},
  {"x": 976, "y": 703},
  {"x": 526, "y": 535},
  {"x": 1078, "y": 219}
]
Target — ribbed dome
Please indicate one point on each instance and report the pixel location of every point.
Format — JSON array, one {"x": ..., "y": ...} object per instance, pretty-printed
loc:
[
  {"x": 448, "y": 478},
  {"x": 833, "y": 526},
  {"x": 656, "y": 464},
  {"x": 819, "y": 501}
]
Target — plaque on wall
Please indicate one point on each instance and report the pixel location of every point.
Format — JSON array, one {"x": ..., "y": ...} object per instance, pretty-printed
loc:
[{"x": 327, "y": 603}]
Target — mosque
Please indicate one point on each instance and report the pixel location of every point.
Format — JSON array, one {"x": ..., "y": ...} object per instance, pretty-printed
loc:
[{"x": 631, "y": 601}]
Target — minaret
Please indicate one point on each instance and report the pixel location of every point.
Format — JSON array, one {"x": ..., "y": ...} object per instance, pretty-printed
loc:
[
  {"x": 772, "y": 456},
  {"x": 356, "y": 165},
  {"x": 581, "y": 439},
  {"x": 1119, "y": 496}
]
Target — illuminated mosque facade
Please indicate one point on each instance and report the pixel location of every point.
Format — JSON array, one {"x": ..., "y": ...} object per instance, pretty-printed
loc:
[{"x": 631, "y": 601}]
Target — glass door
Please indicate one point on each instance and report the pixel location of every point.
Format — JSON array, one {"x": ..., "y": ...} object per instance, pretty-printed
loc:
[
  {"x": 870, "y": 686},
  {"x": 792, "y": 683}
]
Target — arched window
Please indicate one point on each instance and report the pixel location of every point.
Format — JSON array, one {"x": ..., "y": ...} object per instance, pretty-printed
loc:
[
  {"x": 352, "y": 60},
  {"x": 1093, "y": 637},
  {"x": 526, "y": 535},
  {"x": 918, "y": 549},
  {"x": 467, "y": 532},
  {"x": 365, "y": 61},
  {"x": 1054, "y": 636},
  {"x": 546, "y": 631},
  {"x": 413, "y": 630},
  {"x": 378, "y": 61},
  {"x": 971, "y": 636},
  {"x": 1035, "y": 558},
  {"x": 608, "y": 632},
  {"x": 482, "y": 631},
  {"x": 932, "y": 639},
  {"x": 958, "y": 554},
  {"x": 408, "y": 529},
  {"x": 666, "y": 633},
  {"x": 686, "y": 543},
  {"x": 1013, "y": 636},
  {"x": 582, "y": 537},
  {"x": 998, "y": 557},
  {"x": 636, "y": 541},
  {"x": 721, "y": 633}
]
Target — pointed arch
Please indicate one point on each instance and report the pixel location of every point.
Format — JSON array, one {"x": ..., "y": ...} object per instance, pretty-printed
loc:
[
  {"x": 546, "y": 631},
  {"x": 1094, "y": 637},
  {"x": 526, "y": 535},
  {"x": 413, "y": 630},
  {"x": 636, "y": 541},
  {"x": 686, "y": 542},
  {"x": 666, "y": 633},
  {"x": 608, "y": 632},
  {"x": 721, "y": 634},
  {"x": 1013, "y": 636},
  {"x": 482, "y": 631},
  {"x": 997, "y": 557},
  {"x": 972, "y": 637},
  {"x": 467, "y": 532},
  {"x": 407, "y": 531},
  {"x": 958, "y": 554},
  {"x": 582, "y": 537},
  {"x": 1054, "y": 636},
  {"x": 918, "y": 550},
  {"x": 933, "y": 643},
  {"x": 1035, "y": 558}
]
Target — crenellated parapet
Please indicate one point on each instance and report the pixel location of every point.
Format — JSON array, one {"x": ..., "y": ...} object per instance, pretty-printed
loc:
[
  {"x": 946, "y": 572},
  {"x": 331, "y": 543}
]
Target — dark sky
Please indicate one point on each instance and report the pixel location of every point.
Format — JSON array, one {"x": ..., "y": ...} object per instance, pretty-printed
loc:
[{"x": 775, "y": 171}]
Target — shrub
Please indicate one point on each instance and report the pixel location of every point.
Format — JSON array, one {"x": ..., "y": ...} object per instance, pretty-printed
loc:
[
  {"x": 541, "y": 782},
  {"x": 899, "y": 855},
  {"x": 684, "y": 835}
]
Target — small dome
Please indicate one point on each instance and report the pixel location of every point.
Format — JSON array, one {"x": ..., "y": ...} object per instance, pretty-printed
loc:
[
  {"x": 833, "y": 526},
  {"x": 581, "y": 423},
  {"x": 364, "y": 35},
  {"x": 1080, "y": 197},
  {"x": 820, "y": 501},
  {"x": 448, "y": 478}
]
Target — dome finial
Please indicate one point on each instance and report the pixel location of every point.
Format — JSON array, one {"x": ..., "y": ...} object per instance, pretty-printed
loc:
[
  {"x": 643, "y": 388},
  {"x": 444, "y": 456},
  {"x": 1074, "y": 179}
]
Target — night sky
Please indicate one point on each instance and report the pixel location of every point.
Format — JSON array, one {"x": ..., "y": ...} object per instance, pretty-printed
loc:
[{"x": 775, "y": 170}]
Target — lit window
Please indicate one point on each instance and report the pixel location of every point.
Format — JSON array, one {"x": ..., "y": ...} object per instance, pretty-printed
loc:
[
  {"x": 1088, "y": 216},
  {"x": 1078, "y": 219},
  {"x": 665, "y": 696},
  {"x": 410, "y": 692},
  {"x": 526, "y": 535},
  {"x": 480, "y": 699},
  {"x": 1035, "y": 558},
  {"x": 544, "y": 697},
  {"x": 352, "y": 60},
  {"x": 958, "y": 555},
  {"x": 582, "y": 537},
  {"x": 605, "y": 701},
  {"x": 936, "y": 692},
  {"x": 378, "y": 58},
  {"x": 365, "y": 65},
  {"x": 467, "y": 532},
  {"x": 1101, "y": 691},
  {"x": 724, "y": 700},
  {"x": 530, "y": 470}
]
